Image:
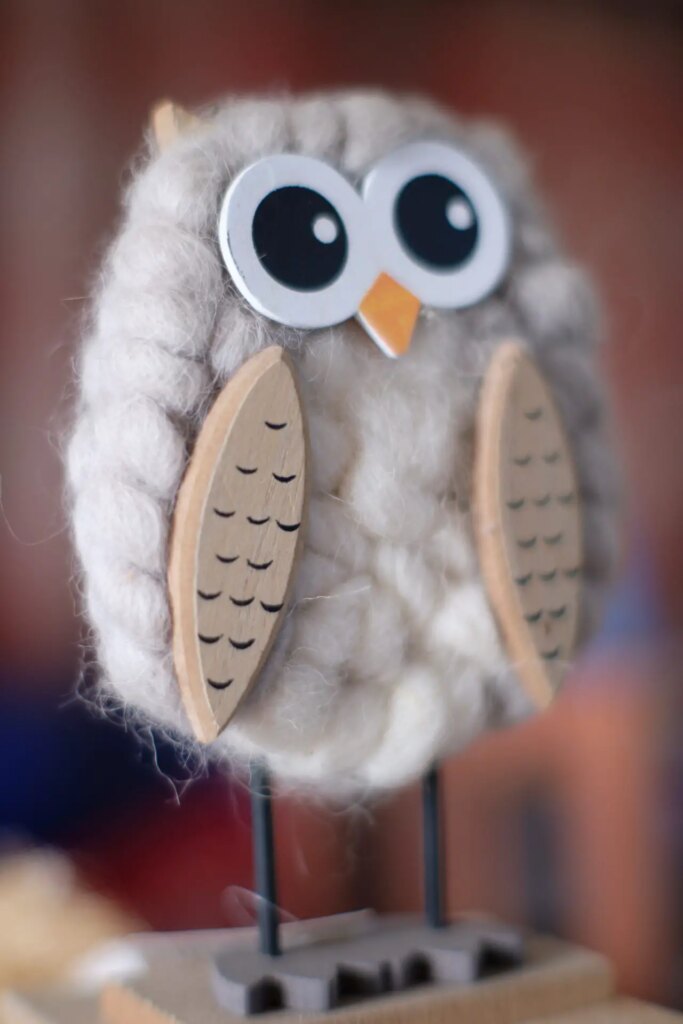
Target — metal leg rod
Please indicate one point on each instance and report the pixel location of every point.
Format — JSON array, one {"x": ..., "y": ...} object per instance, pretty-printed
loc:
[
  {"x": 264, "y": 861},
  {"x": 432, "y": 861}
]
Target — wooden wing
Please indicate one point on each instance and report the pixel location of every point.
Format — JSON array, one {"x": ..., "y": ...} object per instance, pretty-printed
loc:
[
  {"x": 528, "y": 520},
  {"x": 236, "y": 535}
]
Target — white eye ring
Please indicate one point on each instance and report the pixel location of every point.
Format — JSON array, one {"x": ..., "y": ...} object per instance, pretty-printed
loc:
[
  {"x": 344, "y": 219},
  {"x": 481, "y": 206}
]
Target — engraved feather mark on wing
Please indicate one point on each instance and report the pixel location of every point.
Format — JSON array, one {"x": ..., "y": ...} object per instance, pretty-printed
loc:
[
  {"x": 219, "y": 686},
  {"x": 271, "y": 607},
  {"x": 571, "y": 574},
  {"x": 514, "y": 505},
  {"x": 288, "y": 527},
  {"x": 260, "y": 566},
  {"x": 209, "y": 639},
  {"x": 522, "y": 460},
  {"x": 227, "y": 559},
  {"x": 522, "y": 581},
  {"x": 551, "y": 655},
  {"x": 551, "y": 457},
  {"x": 246, "y": 470},
  {"x": 534, "y": 414},
  {"x": 222, "y": 514},
  {"x": 284, "y": 479},
  {"x": 258, "y": 522},
  {"x": 209, "y": 597},
  {"x": 542, "y": 501},
  {"x": 554, "y": 539},
  {"x": 527, "y": 543},
  {"x": 241, "y": 645},
  {"x": 241, "y": 602},
  {"x": 548, "y": 577},
  {"x": 275, "y": 426},
  {"x": 533, "y": 616},
  {"x": 558, "y": 613},
  {"x": 566, "y": 499}
]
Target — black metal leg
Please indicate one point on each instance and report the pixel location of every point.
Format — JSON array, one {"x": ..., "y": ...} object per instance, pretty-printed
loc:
[
  {"x": 431, "y": 838},
  {"x": 264, "y": 861}
]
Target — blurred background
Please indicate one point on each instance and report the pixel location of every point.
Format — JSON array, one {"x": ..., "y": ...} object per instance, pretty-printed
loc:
[{"x": 573, "y": 823}]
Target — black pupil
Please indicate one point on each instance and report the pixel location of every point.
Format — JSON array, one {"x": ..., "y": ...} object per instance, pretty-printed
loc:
[
  {"x": 299, "y": 238},
  {"x": 436, "y": 222}
]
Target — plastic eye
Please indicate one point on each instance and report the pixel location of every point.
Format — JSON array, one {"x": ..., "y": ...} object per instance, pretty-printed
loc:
[
  {"x": 299, "y": 238},
  {"x": 441, "y": 226},
  {"x": 436, "y": 222},
  {"x": 293, "y": 236}
]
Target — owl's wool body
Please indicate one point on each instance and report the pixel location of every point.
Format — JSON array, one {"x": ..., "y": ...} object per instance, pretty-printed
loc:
[{"x": 390, "y": 655}]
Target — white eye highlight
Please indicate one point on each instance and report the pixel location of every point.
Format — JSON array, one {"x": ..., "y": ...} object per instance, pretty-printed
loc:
[
  {"x": 459, "y": 214},
  {"x": 438, "y": 223},
  {"x": 325, "y": 229},
  {"x": 293, "y": 236}
]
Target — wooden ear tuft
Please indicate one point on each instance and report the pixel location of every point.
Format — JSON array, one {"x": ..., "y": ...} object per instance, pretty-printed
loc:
[{"x": 169, "y": 120}]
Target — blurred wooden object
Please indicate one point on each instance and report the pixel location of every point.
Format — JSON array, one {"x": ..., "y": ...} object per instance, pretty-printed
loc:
[
  {"x": 18, "y": 1008},
  {"x": 49, "y": 919}
]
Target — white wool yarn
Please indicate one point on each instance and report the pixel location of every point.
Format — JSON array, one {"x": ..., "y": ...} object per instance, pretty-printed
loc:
[{"x": 389, "y": 656}]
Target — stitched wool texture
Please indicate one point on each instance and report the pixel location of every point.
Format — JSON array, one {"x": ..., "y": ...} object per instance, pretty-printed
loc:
[{"x": 390, "y": 656}]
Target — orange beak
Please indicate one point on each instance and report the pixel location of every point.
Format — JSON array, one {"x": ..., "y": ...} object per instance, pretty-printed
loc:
[{"x": 388, "y": 313}]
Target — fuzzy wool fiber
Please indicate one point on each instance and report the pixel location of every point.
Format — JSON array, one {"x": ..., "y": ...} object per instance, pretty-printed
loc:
[{"x": 389, "y": 656}]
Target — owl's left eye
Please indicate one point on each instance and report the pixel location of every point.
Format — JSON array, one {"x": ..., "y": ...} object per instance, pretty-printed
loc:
[
  {"x": 293, "y": 236},
  {"x": 436, "y": 221},
  {"x": 440, "y": 222}
]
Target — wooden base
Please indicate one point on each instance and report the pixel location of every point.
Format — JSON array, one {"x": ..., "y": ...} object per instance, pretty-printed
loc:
[
  {"x": 616, "y": 1011},
  {"x": 25, "y": 1010},
  {"x": 560, "y": 984},
  {"x": 557, "y": 978}
]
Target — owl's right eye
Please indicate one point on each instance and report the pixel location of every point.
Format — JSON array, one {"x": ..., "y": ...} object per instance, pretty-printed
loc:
[{"x": 293, "y": 236}]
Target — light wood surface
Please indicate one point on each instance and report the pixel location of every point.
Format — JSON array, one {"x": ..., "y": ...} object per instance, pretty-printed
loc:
[
  {"x": 19, "y": 1008},
  {"x": 527, "y": 520},
  {"x": 236, "y": 536},
  {"x": 558, "y": 977},
  {"x": 616, "y": 1011}
]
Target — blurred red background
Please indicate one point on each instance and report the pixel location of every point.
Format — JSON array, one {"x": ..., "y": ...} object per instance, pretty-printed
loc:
[{"x": 573, "y": 822}]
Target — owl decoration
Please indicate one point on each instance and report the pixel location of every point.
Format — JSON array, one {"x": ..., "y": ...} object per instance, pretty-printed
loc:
[{"x": 340, "y": 483}]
